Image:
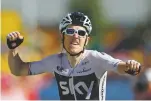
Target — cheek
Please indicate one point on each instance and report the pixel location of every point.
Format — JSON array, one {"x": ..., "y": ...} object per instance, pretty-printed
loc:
[
  {"x": 82, "y": 42},
  {"x": 67, "y": 41}
]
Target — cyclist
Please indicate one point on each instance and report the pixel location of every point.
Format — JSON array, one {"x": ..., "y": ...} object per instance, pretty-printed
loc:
[{"x": 78, "y": 71}]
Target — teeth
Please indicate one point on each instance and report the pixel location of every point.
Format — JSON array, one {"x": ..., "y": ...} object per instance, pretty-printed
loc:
[{"x": 74, "y": 43}]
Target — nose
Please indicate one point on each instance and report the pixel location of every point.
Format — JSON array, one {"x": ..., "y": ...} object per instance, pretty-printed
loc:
[{"x": 75, "y": 35}]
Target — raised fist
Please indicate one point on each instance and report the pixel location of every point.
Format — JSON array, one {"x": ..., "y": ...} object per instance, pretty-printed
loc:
[
  {"x": 133, "y": 67},
  {"x": 14, "y": 39}
]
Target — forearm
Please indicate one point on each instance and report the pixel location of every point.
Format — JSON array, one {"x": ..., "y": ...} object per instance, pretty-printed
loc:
[
  {"x": 121, "y": 68},
  {"x": 16, "y": 65}
]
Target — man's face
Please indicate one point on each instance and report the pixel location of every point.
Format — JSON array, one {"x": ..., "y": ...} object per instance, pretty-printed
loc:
[{"x": 74, "y": 43}]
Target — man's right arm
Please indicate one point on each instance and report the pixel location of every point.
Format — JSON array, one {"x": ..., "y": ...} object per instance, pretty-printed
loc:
[
  {"x": 16, "y": 65},
  {"x": 21, "y": 68}
]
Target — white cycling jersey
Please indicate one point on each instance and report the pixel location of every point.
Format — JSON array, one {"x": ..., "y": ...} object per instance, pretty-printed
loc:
[{"x": 86, "y": 81}]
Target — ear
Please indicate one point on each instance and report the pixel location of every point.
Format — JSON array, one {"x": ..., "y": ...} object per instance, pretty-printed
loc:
[{"x": 87, "y": 41}]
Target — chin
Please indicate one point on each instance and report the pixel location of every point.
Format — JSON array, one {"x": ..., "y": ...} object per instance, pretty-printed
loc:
[{"x": 73, "y": 51}]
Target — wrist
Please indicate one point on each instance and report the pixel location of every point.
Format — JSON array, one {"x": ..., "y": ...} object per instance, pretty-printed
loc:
[{"x": 14, "y": 51}]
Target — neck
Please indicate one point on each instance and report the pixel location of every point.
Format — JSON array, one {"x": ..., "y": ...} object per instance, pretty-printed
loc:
[{"x": 74, "y": 60}]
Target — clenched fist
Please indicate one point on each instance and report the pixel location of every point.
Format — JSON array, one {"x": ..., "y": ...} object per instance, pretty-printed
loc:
[
  {"x": 133, "y": 67},
  {"x": 14, "y": 39}
]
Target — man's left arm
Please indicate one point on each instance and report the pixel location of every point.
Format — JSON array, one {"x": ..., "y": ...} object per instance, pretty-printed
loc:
[
  {"x": 109, "y": 63},
  {"x": 130, "y": 67}
]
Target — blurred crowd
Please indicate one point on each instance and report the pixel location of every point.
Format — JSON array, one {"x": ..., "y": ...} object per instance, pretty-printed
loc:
[{"x": 119, "y": 41}]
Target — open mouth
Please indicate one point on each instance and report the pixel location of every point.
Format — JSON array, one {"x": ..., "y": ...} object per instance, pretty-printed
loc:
[{"x": 75, "y": 43}]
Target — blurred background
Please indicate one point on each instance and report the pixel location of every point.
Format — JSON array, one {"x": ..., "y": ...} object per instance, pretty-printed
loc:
[{"x": 121, "y": 28}]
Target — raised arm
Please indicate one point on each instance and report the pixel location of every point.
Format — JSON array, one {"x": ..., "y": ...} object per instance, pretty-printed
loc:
[
  {"x": 109, "y": 63},
  {"x": 16, "y": 65},
  {"x": 21, "y": 68}
]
